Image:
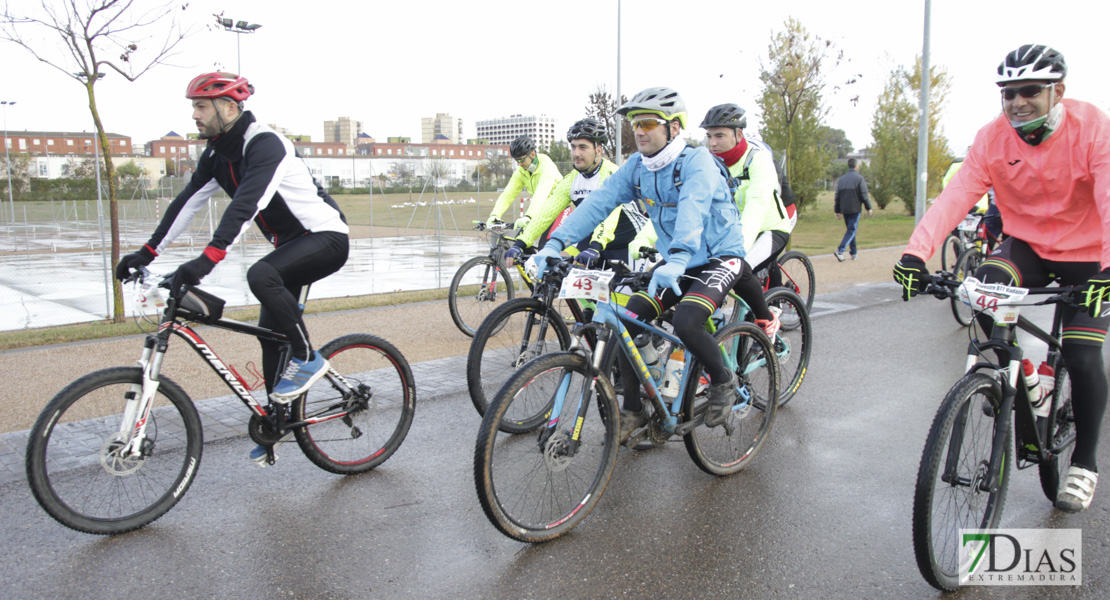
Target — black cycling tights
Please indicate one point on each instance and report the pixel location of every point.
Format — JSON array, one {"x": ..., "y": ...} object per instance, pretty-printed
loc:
[
  {"x": 1082, "y": 355},
  {"x": 276, "y": 280}
]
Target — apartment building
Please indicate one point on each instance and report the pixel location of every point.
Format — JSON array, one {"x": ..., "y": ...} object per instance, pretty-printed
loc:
[{"x": 503, "y": 130}]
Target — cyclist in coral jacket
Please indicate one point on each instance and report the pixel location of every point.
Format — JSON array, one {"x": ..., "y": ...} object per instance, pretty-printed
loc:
[{"x": 1048, "y": 160}]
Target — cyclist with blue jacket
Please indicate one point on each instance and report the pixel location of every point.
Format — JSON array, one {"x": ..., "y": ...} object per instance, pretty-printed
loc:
[{"x": 698, "y": 228}]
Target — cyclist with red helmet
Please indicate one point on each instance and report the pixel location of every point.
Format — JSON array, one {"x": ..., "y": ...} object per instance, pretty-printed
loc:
[
  {"x": 1048, "y": 159},
  {"x": 271, "y": 186}
]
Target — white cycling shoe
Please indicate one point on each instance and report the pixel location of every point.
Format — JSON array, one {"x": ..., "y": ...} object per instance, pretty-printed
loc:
[{"x": 1078, "y": 491}]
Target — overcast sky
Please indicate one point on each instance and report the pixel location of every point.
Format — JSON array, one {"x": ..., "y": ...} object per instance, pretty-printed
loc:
[{"x": 388, "y": 63}]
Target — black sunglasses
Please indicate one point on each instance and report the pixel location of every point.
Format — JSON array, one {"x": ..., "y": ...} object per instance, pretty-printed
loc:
[{"x": 1026, "y": 91}]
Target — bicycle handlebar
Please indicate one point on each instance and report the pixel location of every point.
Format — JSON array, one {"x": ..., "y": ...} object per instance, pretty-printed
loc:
[{"x": 943, "y": 285}]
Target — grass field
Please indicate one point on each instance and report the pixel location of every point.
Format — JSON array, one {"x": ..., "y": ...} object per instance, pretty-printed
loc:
[{"x": 817, "y": 232}]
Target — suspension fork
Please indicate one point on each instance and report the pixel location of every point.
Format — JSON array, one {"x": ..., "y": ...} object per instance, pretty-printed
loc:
[{"x": 140, "y": 398}]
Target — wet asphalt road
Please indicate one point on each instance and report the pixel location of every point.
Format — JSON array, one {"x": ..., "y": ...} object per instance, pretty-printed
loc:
[{"x": 823, "y": 512}]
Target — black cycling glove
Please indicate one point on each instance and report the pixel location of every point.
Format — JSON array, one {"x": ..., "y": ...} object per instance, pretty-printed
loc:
[
  {"x": 192, "y": 272},
  {"x": 142, "y": 258},
  {"x": 911, "y": 274},
  {"x": 1097, "y": 295}
]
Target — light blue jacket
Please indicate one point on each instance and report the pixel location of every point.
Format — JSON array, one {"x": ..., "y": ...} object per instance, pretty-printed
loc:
[{"x": 699, "y": 217}]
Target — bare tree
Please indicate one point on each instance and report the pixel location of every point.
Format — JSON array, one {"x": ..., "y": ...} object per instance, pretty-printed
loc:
[
  {"x": 603, "y": 107},
  {"x": 83, "y": 40}
]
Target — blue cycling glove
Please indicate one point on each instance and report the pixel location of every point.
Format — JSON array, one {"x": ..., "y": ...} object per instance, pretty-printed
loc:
[
  {"x": 551, "y": 250},
  {"x": 513, "y": 254},
  {"x": 589, "y": 255},
  {"x": 666, "y": 276}
]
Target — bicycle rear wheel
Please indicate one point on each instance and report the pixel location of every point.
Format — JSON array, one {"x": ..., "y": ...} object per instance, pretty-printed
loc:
[
  {"x": 510, "y": 336},
  {"x": 793, "y": 343},
  {"x": 954, "y": 466},
  {"x": 798, "y": 276},
  {"x": 950, "y": 251},
  {"x": 1062, "y": 435},
  {"x": 359, "y": 422},
  {"x": 479, "y": 286},
  {"x": 539, "y": 483},
  {"x": 75, "y": 464},
  {"x": 965, "y": 267},
  {"x": 728, "y": 448}
]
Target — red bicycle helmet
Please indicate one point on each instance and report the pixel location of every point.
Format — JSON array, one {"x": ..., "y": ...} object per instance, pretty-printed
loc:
[{"x": 219, "y": 85}]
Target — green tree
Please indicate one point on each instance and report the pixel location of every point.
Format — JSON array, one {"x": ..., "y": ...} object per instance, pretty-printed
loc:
[
  {"x": 83, "y": 40},
  {"x": 559, "y": 152},
  {"x": 836, "y": 141},
  {"x": 793, "y": 107},
  {"x": 894, "y": 127}
]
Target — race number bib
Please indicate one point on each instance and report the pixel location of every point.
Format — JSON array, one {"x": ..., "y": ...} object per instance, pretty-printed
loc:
[
  {"x": 586, "y": 285},
  {"x": 996, "y": 299},
  {"x": 970, "y": 223}
]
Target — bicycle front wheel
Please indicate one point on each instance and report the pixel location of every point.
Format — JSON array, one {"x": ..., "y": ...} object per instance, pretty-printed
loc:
[
  {"x": 728, "y": 448},
  {"x": 1061, "y": 434},
  {"x": 965, "y": 267},
  {"x": 77, "y": 460},
  {"x": 479, "y": 286},
  {"x": 798, "y": 276},
  {"x": 510, "y": 336},
  {"x": 793, "y": 343},
  {"x": 954, "y": 471},
  {"x": 359, "y": 413},
  {"x": 950, "y": 251},
  {"x": 536, "y": 485}
]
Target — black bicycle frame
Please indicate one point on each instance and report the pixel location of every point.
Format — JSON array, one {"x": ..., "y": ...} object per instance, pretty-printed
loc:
[{"x": 1029, "y": 439}]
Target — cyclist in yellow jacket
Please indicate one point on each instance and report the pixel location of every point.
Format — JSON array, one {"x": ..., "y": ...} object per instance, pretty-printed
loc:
[{"x": 535, "y": 172}]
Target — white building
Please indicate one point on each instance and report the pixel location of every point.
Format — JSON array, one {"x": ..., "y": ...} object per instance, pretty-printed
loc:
[
  {"x": 441, "y": 124},
  {"x": 504, "y": 130}
]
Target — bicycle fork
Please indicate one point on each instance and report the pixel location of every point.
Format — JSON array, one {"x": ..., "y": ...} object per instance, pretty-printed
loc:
[{"x": 140, "y": 399}]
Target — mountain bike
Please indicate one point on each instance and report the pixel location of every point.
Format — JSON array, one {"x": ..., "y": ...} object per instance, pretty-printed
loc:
[
  {"x": 525, "y": 328},
  {"x": 547, "y": 445},
  {"x": 965, "y": 467},
  {"x": 117, "y": 448},
  {"x": 482, "y": 283}
]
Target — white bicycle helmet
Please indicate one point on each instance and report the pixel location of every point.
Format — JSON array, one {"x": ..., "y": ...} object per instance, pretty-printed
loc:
[{"x": 1032, "y": 62}]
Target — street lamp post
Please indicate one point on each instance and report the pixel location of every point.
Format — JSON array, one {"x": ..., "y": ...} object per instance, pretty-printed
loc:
[
  {"x": 238, "y": 28},
  {"x": 7, "y": 161}
]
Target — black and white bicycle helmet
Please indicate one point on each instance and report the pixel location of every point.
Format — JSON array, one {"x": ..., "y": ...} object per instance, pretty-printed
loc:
[
  {"x": 725, "y": 115},
  {"x": 1032, "y": 62},
  {"x": 588, "y": 129},
  {"x": 660, "y": 101},
  {"x": 522, "y": 146}
]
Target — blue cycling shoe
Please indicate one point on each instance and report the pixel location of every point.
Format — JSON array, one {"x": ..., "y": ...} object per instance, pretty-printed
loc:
[{"x": 298, "y": 377}]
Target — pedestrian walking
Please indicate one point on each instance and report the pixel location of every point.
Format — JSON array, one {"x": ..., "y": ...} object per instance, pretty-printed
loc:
[{"x": 851, "y": 197}]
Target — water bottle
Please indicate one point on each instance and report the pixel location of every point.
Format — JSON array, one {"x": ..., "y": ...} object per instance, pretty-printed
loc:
[
  {"x": 1033, "y": 384},
  {"x": 646, "y": 348},
  {"x": 1047, "y": 375},
  {"x": 672, "y": 374}
]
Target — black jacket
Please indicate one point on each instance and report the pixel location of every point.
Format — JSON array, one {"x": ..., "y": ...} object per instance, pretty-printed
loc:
[
  {"x": 851, "y": 191},
  {"x": 267, "y": 182}
]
